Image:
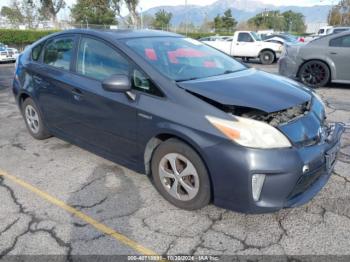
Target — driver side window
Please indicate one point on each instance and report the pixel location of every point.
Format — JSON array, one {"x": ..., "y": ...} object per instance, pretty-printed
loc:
[
  {"x": 245, "y": 37},
  {"x": 99, "y": 61}
]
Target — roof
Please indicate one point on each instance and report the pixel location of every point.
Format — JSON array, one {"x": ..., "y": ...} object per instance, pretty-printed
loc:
[{"x": 122, "y": 34}]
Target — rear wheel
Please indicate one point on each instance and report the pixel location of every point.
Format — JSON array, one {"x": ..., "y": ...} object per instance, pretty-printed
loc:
[
  {"x": 180, "y": 175},
  {"x": 314, "y": 74},
  {"x": 34, "y": 120},
  {"x": 267, "y": 57}
]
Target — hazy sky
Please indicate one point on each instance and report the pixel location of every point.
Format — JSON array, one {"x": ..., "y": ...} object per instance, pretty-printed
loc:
[{"x": 146, "y": 4}]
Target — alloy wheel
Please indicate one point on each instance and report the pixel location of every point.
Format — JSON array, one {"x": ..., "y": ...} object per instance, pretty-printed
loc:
[
  {"x": 179, "y": 177},
  {"x": 32, "y": 119},
  {"x": 314, "y": 74}
]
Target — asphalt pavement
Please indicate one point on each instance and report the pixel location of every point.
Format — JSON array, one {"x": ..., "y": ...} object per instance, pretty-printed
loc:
[{"x": 58, "y": 199}]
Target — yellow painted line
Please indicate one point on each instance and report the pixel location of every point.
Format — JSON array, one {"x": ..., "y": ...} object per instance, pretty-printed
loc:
[{"x": 99, "y": 226}]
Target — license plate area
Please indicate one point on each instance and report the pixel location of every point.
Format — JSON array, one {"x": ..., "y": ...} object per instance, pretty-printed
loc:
[{"x": 331, "y": 157}]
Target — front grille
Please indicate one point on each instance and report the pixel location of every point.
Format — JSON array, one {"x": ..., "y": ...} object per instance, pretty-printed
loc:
[{"x": 306, "y": 181}]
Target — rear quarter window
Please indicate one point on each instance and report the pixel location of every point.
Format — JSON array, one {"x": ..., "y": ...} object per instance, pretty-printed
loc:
[
  {"x": 343, "y": 41},
  {"x": 36, "y": 51}
]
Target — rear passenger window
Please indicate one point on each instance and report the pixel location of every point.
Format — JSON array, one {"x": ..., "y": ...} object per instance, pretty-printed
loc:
[
  {"x": 58, "y": 53},
  {"x": 341, "y": 41},
  {"x": 99, "y": 61},
  {"x": 36, "y": 51}
]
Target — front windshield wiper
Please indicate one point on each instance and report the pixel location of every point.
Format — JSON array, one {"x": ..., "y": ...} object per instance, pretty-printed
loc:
[
  {"x": 224, "y": 73},
  {"x": 188, "y": 79}
]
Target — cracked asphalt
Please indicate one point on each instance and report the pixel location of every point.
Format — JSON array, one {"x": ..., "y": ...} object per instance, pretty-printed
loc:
[{"x": 127, "y": 202}]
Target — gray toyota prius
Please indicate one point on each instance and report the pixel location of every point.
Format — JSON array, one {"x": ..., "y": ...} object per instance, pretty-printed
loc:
[{"x": 204, "y": 127}]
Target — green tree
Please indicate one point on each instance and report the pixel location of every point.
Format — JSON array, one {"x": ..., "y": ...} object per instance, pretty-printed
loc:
[
  {"x": 22, "y": 12},
  {"x": 50, "y": 8},
  {"x": 97, "y": 12},
  {"x": 218, "y": 23},
  {"x": 132, "y": 5},
  {"x": 268, "y": 20},
  {"x": 340, "y": 14},
  {"x": 224, "y": 23},
  {"x": 13, "y": 14},
  {"x": 228, "y": 22},
  {"x": 162, "y": 19},
  {"x": 294, "y": 22},
  {"x": 287, "y": 21}
]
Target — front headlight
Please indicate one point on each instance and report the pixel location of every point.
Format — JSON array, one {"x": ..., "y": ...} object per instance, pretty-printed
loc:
[{"x": 250, "y": 133}]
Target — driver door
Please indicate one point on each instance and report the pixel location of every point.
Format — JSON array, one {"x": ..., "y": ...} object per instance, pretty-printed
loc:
[{"x": 245, "y": 45}]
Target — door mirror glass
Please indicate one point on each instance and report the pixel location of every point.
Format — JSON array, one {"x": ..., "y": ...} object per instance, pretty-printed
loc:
[{"x": 117, "y": 83}]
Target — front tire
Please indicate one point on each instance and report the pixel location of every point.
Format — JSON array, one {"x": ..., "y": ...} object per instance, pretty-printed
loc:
[
  {"x": 180, "y": 175},
  {"x": 314, "y": 74},
  {"x": 34, "y": 120},
  {"x": 267, "y": 57}
]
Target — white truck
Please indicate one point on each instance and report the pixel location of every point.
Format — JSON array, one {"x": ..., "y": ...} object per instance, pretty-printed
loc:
[{"x": 246, "y": 45}]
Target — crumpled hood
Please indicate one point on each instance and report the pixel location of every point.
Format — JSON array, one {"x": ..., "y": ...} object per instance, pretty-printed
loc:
[{"x": 250, "y": 88}]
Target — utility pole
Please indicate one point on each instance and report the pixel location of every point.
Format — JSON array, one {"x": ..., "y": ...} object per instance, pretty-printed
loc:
[
  {"x": 141, "y": 18},
  {"x": 186, "y": 18}
]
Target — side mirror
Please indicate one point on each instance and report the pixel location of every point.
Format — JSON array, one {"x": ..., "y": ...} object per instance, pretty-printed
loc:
[{"x": 117, "y": 83}]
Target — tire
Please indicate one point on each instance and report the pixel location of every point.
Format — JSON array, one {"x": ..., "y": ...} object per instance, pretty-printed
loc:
[
  {"x": 267, "y": 57},
  {"x": 196, "y": 192},
  {"x": 314, "y": 74},
  {"x": 34, "y": 120}
]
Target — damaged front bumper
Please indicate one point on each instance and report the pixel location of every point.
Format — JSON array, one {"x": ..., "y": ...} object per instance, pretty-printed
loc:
[{"x": 293, "y": 176}]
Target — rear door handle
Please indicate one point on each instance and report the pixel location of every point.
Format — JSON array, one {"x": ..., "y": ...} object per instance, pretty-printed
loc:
[
  {"x": 333, "y": 53},
  {"x": 37, "y": 79},
  {"x": 77, "y": 94}
]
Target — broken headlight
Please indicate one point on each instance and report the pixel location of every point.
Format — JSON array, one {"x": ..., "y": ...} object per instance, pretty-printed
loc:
[{"x": 250, "y": 133}]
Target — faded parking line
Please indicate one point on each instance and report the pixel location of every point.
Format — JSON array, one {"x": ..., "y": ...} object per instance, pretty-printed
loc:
[{"x": 99, "y": 226}]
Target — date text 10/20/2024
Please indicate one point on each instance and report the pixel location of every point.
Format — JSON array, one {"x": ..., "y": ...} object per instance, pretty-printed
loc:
[{"x": 173, "y": 258}]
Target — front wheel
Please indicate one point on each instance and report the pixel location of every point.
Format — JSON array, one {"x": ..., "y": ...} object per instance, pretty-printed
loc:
[
  {"x": 180, "y": 175},
  {"x": 267, "y": 57},
  {"x": 314, "y": 74}
]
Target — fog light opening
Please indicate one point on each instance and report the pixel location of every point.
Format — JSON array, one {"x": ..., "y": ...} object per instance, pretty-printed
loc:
[{"x": 257, "y": 184}]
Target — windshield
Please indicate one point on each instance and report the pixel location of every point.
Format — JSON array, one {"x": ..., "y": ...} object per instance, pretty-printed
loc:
[{"x": 183, "y": 59}]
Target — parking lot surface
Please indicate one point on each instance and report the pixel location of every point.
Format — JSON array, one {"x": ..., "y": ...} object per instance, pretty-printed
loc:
[{"x": 59, "y": 199}]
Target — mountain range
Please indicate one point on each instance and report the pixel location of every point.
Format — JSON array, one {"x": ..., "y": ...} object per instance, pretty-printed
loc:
[{"x": 242, "y": 10}]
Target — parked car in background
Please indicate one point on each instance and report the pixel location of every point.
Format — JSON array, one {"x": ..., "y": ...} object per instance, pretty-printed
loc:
[
  {"x": 333, "y": 30},
  {"x": 328, "y": 30},
  {"x": 325, "y": 30},
  {"x": 319, "y": 62},
  {"x": 282, "y": 39},
  {"x": 214, "y": 38},
  {"x": 202, "y": 125},
  {"x": 13, "y": 52},
  {"x": 8, "y": 54},
  {"x": 247, "y": 44}
]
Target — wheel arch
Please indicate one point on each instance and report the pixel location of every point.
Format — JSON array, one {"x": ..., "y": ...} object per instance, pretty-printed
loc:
[
  {"x": 23, "y": 96},
  {"x": 268, "y": 49},
  {"x": 156, "y": 140}
]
